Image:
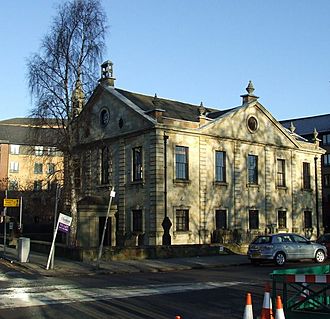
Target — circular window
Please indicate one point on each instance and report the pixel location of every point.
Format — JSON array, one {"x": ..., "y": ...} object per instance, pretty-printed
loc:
[
  {"x": 104, "y": 117},
  {"x": 252, "y": 123}
]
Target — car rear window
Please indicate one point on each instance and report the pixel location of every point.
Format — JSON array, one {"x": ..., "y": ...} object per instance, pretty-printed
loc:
[
  {"x": 326, "y": 237},
  {"x": 262, "y": 240}
]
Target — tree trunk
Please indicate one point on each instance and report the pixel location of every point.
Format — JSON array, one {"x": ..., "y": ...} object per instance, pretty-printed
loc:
[{"x": 73, "y": 203}]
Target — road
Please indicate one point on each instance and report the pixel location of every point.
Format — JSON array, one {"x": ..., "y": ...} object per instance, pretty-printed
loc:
[{"x": 192, "y": 294}]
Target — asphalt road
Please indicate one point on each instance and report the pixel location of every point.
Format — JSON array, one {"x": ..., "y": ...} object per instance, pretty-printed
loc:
[{"x": 192, "y": 294}]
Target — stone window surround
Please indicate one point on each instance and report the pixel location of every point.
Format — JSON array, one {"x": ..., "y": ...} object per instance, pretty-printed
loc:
[{"x": 181, "y": 207}]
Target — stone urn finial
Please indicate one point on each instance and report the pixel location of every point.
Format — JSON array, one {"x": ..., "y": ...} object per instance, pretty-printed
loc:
[
  {"x": 250, "y": 88},
  {"x": 292, "y": 128},
  {"x": 201, "y": 109}
]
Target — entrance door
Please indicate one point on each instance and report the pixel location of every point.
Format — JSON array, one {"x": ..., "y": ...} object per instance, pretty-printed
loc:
[{"x": 107, "y": 235}]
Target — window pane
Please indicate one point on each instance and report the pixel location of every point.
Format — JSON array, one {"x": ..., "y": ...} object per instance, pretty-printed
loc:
[
  {"x": 13, "y": 185},
  {"x": 182, "y": 219},
  {"x": 13, "y": 167},
  {"x": 51, "y": 151},
  {"x": 220, "y": 166},
  {"x": 281, "y": 219},
  {"x": 137, "y": 164},
  {"x": 280, "y": 172},
  {"x": 137, "y": 220},
  {"x": 326, "y": 159},
  {"x": 37, "y": 168},
  {"x": 14, "y": 149},
  {"x": 326, "y": 139},
  {"x": 253, "y": 219},
  {"x": 326, "y": 180},
  {"x": 50, "y": 168},
  {"x": 37, "y": 185},
  {"x": 181, "y": 162},
  {"x": 221, "y": 219},
  {"x": 308, "y": 218},
  {"x": 105, "y": 165},
  {"x": 306, "y": 176},
  {"x": 252, "y": 169},
  {"x": 38, "y": 150}
]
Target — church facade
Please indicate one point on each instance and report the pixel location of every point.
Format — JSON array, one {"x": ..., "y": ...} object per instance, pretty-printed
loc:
[{"x": 189, "y": 174}]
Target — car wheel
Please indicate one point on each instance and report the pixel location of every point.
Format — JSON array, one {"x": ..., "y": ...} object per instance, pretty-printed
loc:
[
  {"x": 319, "y": 256},
  {"x": 280, "y": 259}
]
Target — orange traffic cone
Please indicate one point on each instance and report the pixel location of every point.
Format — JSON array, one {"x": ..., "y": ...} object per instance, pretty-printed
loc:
[
  {"x": 279, "y": 308},
  {"x": 267, "y": 311},
  {"x": 248, "y": 313}
]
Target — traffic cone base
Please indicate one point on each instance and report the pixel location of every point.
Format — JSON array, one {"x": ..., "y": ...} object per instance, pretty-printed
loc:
[
  {"x": 267, "y": 311},
  {"x": 279, "y": 309}
]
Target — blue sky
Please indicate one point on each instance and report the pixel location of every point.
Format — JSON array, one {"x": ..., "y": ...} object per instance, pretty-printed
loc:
[{"x": 192, "y": 51}]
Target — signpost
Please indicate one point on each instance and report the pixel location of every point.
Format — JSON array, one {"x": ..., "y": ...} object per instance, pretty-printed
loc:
[
  {"x": 112, "y": 195},
  {"x": 63, "y": 224},
  {"x": 57, "y": 198},
  {"x": 11, "y": 202},
  {"x": 7, "y": 202}
]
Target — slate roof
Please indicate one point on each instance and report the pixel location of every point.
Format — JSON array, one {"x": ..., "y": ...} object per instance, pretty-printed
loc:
[
  {"x": 306, "y": 125},
  {"x": 19, "y": 131},
  {"x": 173, "y": 109}
]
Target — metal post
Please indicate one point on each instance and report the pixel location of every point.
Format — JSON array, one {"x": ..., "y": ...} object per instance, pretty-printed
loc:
[
  {"x": 20, "y": 214},
  {"x": 53, "y": 245},
  {"x": 57, "y": 198},
  {"x": 5, "y": 228},
  {"x": 317, "y": 200},
  {"x": 112, "y": 194}
]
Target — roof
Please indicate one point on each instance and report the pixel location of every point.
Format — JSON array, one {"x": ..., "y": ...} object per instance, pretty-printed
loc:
[
  {"x": 172, "y": 109},
  {"x": 306, "y": 125},
  {"x": 25, "y": 131},
  {"x": 28, "y": 121}
]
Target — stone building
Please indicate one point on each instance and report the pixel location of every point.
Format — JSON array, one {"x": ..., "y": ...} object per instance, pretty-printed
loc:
[
  {"x": 189, "y": 174},
  {"x": 307, "y": 127}
]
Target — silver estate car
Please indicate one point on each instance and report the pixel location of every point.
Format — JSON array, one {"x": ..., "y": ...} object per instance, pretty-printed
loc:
[{"x": 282, "y": 247}]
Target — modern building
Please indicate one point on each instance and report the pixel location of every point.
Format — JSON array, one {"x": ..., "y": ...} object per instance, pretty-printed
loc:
[
  {"x": 190, "y": 174},
  {"x": 319, "y": 126},
  {"x": 30, "y": 165}
]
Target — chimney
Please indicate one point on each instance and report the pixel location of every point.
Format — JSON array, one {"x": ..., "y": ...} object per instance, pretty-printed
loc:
[
  {"x": 156, "y": 111},
  {"x": 107, "y": 73},
  {"x": 247, "y": 98}
]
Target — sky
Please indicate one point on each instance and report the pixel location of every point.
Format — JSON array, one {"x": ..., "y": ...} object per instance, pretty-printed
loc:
[{"x": 191, "y": 51}]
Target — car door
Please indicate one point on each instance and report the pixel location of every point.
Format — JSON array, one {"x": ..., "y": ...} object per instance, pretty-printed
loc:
[
  {"x": 288, "y": 246},
  {"x": 304, "y": 247}
]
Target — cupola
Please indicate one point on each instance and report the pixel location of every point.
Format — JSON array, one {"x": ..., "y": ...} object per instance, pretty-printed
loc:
[{"x": 107, "y": 73}]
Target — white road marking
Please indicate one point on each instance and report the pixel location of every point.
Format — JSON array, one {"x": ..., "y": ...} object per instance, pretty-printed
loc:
[{"x": 63, "y": 294}]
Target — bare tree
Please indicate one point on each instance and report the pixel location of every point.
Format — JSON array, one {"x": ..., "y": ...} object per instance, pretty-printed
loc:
[{"x": 63, "y": 74}]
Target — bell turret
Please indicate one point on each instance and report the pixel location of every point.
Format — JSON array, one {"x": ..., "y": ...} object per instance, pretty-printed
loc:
[{"x": 107, "y": 73}]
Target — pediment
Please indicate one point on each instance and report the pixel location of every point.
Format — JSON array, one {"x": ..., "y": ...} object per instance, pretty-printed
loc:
[
  {"x": 251, "y": 123},
  {"x": 109, "y": 114}
]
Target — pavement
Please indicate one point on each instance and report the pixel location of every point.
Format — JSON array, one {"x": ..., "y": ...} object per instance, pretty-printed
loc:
[{"x": 65, "y": 267}]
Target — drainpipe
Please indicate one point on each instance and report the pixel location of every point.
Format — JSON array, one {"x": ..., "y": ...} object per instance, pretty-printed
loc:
[
  {"x": 165, "y": 175},
  {"x": 166, "y": 224},
  {"x": 317, "y": 200}
]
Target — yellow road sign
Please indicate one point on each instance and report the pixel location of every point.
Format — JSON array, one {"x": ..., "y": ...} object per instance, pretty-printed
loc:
[{"x": 11, "y": 202}]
